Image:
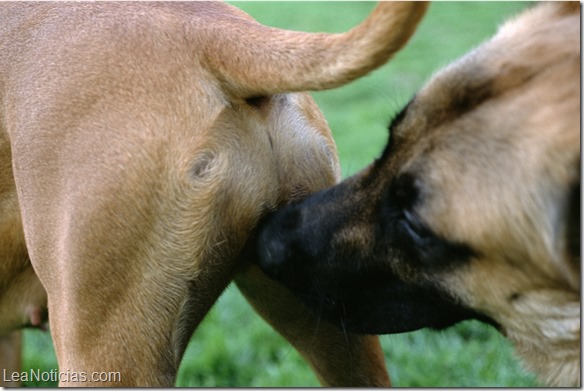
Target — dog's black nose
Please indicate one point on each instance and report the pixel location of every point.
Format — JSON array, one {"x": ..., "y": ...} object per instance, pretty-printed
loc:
[
  {"x": 296, "y": 240},
  {"x": 275, "y": 242}
]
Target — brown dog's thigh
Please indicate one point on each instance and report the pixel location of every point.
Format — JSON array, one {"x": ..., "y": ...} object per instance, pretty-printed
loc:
[
  {"x": 10, "y": 358},
  {"x": 120, "y": 303},
  {"x": 112, "y": 343},
  {"x": 337, "y": 358}
]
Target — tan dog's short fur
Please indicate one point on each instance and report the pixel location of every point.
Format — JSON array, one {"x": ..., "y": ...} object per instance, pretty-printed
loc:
[
  {"x": 472, "y": 211},
  {"x": 140, "y": 145}
]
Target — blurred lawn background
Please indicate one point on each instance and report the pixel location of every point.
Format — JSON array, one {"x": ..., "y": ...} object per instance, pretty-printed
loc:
[{"x": 233, "y": 346}]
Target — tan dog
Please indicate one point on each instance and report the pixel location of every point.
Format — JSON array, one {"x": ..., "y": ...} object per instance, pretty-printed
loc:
[
  {"x": 141, "y": 144},
  {"x": 472, "y": 211}
]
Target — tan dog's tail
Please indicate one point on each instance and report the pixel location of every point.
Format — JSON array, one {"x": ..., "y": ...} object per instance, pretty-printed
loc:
[{"x": 255, "y": 60}]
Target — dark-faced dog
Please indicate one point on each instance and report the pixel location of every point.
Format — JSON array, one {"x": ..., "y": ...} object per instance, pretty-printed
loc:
[{"x": 471, "y": 212}]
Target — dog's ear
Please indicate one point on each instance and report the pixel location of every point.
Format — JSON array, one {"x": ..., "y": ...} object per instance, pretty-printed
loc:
[{"x": 255, "y": 60}]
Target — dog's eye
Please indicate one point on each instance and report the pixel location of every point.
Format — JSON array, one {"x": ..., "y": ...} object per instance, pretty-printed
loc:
[
  {"x": 398, "y": 211},
  {"x": 413, "y": 226}
]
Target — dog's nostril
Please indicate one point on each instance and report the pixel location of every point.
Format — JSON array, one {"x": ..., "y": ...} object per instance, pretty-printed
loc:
[
  {"x": 268, "y": 243},
  {"x": 277, "y": 242},
  {"x": 271, "y": 256}
]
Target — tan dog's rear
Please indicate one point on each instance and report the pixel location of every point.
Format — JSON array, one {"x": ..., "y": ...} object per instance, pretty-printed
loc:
[
  {"x": 472, "y": 211},
  {"x": 141, "y": 144}
]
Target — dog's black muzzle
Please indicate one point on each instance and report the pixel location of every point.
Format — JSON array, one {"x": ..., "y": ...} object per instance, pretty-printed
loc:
[{"x": 351, "y": 286}]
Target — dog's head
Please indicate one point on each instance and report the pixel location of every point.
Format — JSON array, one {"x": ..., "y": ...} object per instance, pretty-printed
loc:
[{"x": 473, "y": 209}]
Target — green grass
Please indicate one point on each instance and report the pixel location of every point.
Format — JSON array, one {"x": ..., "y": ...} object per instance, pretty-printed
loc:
[{"x": 233, "y": 346}]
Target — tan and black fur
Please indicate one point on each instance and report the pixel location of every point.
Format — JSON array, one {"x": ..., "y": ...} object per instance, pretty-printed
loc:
[
  {"x": 472, "y": 210},
  {"x": 140, "y": 144}
]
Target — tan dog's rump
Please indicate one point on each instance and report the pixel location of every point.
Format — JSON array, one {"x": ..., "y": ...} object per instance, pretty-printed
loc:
[
  {"x": 472, "y": 210},
  {"x": 141, "y": 144}
]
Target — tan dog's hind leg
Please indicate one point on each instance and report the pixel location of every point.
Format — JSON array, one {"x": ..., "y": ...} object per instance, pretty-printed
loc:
[
  {"x": 338, "y": 358},
  {"x": 127, "y": 283},
  {"x": 10, "y": 358},
  {"x": 125, "y": 321}
]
